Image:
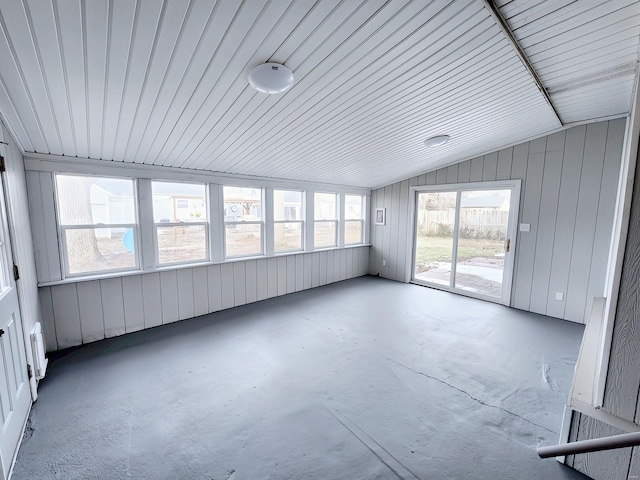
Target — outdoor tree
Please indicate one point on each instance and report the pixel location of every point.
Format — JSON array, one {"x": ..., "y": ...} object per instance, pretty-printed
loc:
[{"x": 74, "y": 199}]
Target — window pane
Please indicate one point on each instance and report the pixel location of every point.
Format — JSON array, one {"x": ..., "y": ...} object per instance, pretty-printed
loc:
[
  {"x": 288, "y": 237},
  {"x": 287, "y": 205},
  {"x": 243, "y": 240},
  {"x": 324, "y": 234},
  {"x": 352, "y": 232},
  {"x": 325, "y": 206},
  {"x": 182, "y": 244},
  {"x": 242, "y": 203},
  {"x": 85, "y": 200},
  {"x": 353, "y": 207},
  {"x": 99, "y": 249},
  {"x": 178, "y": 202}
]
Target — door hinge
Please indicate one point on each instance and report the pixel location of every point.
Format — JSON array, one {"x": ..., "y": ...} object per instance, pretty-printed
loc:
[
  {"x": 3, "y": 167},
  {"x": 16, "y": 273}
]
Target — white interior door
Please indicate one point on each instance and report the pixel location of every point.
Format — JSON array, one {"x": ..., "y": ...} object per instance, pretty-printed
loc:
[
  {"x": 465, "y": 238},
  {"x": 15, "y": 397}
]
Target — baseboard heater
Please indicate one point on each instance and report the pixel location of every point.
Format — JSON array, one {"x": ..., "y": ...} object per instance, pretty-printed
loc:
[{"x": 40, "y": 362}]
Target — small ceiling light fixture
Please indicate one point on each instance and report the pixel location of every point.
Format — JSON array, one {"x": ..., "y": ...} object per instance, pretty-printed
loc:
[
  {"x": 437, "y": 141},
  {"x": 271, "y": 78}
]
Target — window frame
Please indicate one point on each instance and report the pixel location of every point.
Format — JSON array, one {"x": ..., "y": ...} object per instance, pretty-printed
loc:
[
  {"x": 206, "y": 223},
  {"x": 301, "y": 222},
  {"x": 335, "y": 221},
  {"x": 62, "y": 229},
  {"x": 260, "y": 222},
  {"x": 361, "y": 220}
]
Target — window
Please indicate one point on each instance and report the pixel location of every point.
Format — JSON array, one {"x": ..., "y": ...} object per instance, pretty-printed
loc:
[
  {"x": 288, "y": 226},
  {"x": 180, "y": 222},
  {"x": 243, "y": 224},
  {"x": 97, "y": 221},
  {"x": 353, "y": 219},
  {"x": 325, "y": 220}
]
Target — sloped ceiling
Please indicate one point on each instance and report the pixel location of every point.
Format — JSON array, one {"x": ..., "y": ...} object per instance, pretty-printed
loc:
[{"x": 165, "y": 82}]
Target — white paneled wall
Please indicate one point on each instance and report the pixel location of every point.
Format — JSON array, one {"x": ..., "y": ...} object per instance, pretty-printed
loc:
[
  {"x": 87, "y": 311},
  {"x": 569, "y": 184}
]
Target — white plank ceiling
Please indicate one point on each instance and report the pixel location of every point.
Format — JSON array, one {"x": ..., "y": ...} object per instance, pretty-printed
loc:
[{"x": 165, "y": 82}]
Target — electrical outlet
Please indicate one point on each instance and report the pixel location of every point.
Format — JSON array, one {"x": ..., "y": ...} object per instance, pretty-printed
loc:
[
  {"x": 384, "y": 263},
  {"x": 559, "y": 296}
]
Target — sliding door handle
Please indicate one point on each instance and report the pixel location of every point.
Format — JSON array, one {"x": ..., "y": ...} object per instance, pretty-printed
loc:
[{"x": 507, "y": 245}]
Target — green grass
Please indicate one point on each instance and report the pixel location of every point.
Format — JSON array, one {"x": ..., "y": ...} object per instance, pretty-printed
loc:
[{"x": 438, "y": 249}]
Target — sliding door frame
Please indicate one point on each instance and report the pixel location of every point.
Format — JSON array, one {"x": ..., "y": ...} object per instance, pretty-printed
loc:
[{"x": 512, "y": 233}]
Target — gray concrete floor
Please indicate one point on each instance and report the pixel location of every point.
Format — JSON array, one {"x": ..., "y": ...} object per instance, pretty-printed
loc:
[{"x": 364, "y": 379}]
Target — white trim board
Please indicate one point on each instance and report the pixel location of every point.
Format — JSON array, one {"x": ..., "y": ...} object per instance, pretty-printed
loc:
[{"x": 58, "y": 163}]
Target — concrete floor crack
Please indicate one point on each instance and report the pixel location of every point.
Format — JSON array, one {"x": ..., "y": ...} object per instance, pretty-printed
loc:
[{"x": 481, "y": 402}]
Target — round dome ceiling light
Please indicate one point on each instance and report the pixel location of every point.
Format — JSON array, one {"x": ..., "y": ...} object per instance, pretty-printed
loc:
[
  {"x": 271, "y": 78},
  {"x": 437, "y": 141}
]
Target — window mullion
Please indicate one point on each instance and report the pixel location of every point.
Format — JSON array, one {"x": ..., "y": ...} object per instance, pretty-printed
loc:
[
  {"x": 147, "y": 248},
  {"x": 216, "y": 223},
  {"x": 268, "y": 222},
  {"x": 340, "y": 220}
]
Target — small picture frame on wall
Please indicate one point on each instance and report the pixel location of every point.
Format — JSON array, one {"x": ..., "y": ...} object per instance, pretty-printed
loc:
[{"x": 381, "y": 216}]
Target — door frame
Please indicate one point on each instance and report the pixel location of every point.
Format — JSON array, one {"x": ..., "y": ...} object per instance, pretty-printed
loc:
[{"x": 512, "y": 233}]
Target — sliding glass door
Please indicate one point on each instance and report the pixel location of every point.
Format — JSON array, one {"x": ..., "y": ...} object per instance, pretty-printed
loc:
[{"x": 464, "y": 238}]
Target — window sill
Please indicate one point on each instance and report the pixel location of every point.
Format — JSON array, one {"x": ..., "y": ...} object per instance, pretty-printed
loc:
[{"x": 104, "y": 276}]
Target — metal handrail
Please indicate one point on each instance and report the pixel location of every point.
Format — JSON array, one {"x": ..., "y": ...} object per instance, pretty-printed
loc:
[{"x": 594, "y": 445}]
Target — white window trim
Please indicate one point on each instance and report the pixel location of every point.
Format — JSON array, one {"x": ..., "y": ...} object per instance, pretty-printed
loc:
[
  {"x": 302, "y": 221},
  {"x": 206, "y": 223},
  {"x": 338, "y": 230},
  {"x": 362, "y": 219},
  {"x": 62, "y": 238},
  {"x": 263, "y": 234}
]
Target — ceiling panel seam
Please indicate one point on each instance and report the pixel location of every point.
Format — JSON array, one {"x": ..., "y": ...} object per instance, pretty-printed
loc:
[{"x": 504, "y": 26}]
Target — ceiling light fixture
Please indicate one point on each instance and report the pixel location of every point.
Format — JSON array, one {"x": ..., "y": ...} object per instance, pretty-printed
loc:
[
  {"x": 437, "y": 141},
  {"x": 271, "y": 78}
]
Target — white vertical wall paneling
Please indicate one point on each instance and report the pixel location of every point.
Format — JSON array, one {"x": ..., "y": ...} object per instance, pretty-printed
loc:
[
  {"x": 475, "y": 174},
  {"x": 215, "y": 288},
  {"x": 201, "y": 291},
  {"x": 315, "y": 269},
  {"x": 322, "y": 272},
  {"x": 545, "y": 232},
  {"x": 112, "y": 306},
  {"x": 349, "y": 263},
  {"x": 282, "y": 275},
  {"x": 566, "y": 219},
  {"x": 226, "y": 283},
  {"x": 272, "y": 277},
  {"x": 239, "y": 284},
  {"x": 133, "y": 303},
  {"x": 530, "y": 212},
  {"x": 291, "y": 273},
  {"x": 329, "y": 266},
  {"x": 300, "y": 272},
  {"x": 262, "y": 279},
  {"x": 441, "y": 176},
  {"x": 489, "y": 166},
  {"x": 606, "y": 205},
  {"x": 430, "y": 179},
  {"x": 151, "y": 302},
  {"x": 403, "y": 230},
  {"x": 186, "y": 308},
  {"x": 394, "y": 213},
  {"x": 48, "y": 318},
  {"x": 169, "y": 296},
  {"x": 519, "y": 171},
  {"x": 251, "y": 275},
  {"x": 49, "y": 240},
  {"x": 452, "y": 173},
  {"x": 337, "y": 259},
  {"x": 586, "y": 215},
  {"x": 37, "y": 225},
  {"x": 386, "y": 235},
  {"x": 67, "y": 316},
  {"x": 505, "y": 158}
]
